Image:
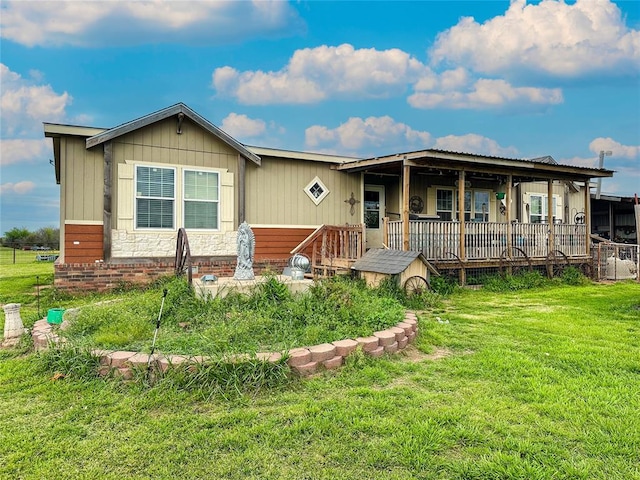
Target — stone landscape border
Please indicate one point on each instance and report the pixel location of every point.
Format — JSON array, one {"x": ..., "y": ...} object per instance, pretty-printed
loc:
[{"x": 304, "y": 361}]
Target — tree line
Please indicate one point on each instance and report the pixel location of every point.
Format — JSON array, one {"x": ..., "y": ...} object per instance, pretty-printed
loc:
[{"x": 47, "y": 237}]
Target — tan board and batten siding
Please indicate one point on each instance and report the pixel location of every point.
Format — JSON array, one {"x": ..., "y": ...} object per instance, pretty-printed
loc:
[
  {"x": 81, "y": 202},
  {"x": 275, "y": 194},
  {"x": 276, "y": 203}
]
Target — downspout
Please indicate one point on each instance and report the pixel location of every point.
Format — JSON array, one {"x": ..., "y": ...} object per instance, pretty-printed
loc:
[{"x": 242, "y": 163}]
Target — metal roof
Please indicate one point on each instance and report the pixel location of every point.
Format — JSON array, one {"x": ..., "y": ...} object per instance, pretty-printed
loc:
[
  {"x": 542, "y": 167},
  {"x": 389, "y": 262},
  {"x": 310, "y": 156}
]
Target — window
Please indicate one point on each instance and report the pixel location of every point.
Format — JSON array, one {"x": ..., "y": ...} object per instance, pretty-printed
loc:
[
  {"x": 480, "y": 206},
  {"x": 201, "y": 199},
  {"x": 155, "y": 197},
  {"x": 476, "y": 205},
  {"x": 316, "y": 190},
  {"x": 538, "y": 206},
  {"x": 444, "y": 204}
]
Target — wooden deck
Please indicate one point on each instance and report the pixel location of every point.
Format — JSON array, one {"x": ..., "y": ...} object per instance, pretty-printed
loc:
[{"x": 487, "y": 240}]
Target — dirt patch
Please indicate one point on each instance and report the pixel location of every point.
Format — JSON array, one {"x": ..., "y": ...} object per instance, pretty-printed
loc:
[{"x": 413, "y": 355}]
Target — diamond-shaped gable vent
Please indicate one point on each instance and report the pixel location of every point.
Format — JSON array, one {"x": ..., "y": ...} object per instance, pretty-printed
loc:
[{"x": 316, "y": 190}]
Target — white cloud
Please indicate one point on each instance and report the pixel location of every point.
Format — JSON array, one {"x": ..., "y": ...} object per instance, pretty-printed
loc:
[
  {"x": 24, "y": 105},
  {"x": 314, "y": 74},
  {"x": 358, "y": 134},
  {"x": 19, "y": 188},
  {"x": 20, "y": 150},
  {"x": 485, "y": 93},
  {"x": 241, "y": 126},
  {"x": 560, "y": 39},
  {"x": 474, "y": 143},
  {"x": 108, "y": 23},
  {"x": 616, "y": 148}
]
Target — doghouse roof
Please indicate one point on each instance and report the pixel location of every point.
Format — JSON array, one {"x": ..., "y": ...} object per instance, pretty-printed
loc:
[{"x": 389, "y": 262}]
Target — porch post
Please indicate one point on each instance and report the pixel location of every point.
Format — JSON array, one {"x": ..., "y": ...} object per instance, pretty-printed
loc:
[
  {"x": 463, "y": 254},
  {"x": 550, "y": 215},
  {"x": 587, "y": 218},
  {"x": 461, "y": 225},
  {"x": 507, "y": 196},
  {"x": 406, "y": 170}
]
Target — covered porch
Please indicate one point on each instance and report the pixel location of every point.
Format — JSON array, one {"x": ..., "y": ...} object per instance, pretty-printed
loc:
[{"x": 467, "y": 211}]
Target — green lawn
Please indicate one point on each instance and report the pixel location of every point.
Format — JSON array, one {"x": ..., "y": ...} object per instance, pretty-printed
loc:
[{"x": 536, "y": 384}]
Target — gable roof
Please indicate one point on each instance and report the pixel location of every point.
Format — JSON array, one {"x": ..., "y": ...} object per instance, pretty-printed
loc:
[
  {"x": 178, "y": 108},
  {"x": 389, "y": 262}
]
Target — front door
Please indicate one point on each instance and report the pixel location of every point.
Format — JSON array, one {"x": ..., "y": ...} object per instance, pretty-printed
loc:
[{"x": 374, "y": 211}]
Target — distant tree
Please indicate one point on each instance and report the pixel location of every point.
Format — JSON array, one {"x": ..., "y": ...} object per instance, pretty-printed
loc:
[
  {"x": 45, "y": 237},
  {"x": 16, "y": 237}
]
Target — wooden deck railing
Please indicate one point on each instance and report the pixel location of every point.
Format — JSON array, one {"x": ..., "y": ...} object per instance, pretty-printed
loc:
[
  {"x": 334, "y": 248},
  {"x": 487, "y": 240}
]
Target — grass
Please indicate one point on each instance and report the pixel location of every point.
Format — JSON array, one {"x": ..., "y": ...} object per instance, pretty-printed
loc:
[
  {"x": 532, "y": 384},
  {"x": 270, "y": 319},
  {"x": 19, "y": 283}
]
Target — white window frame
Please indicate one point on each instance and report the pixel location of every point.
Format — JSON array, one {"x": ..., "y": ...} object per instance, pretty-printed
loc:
[
  {"x": 453, "y": 202},
  {"x": 545, "y": 206},
  {"x": 308, "y": 190},
  {"x": 139, "y": 197},
  {"x": 185, "y": 200}
]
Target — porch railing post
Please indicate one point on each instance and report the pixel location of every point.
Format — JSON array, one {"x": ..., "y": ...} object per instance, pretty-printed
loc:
[
  {"x": 461, "y": 225},
  {"x": 508, "y": 188},
  {"x": 550, "y": 216},
  {"x": 587, "y": 219},
  {"x": 405, "y": 206}
]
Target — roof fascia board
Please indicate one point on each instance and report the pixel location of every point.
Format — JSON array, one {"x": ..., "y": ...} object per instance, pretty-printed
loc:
[
  {"x": 310, "y": 156},
  {"x": 166, "y": 113},
  {"x": 57, "y": 130}
]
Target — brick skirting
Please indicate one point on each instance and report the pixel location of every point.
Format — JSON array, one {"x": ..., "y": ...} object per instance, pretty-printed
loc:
[
  {"x": 304, "y": 361},
  {"x": 101, "y": 276}
]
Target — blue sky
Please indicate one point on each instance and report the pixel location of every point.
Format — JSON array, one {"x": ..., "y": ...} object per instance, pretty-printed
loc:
[{"x": 501, "y": 78}]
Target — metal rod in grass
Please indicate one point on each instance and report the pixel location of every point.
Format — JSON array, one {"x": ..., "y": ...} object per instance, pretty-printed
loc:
[{"x": 155, "y": 334}]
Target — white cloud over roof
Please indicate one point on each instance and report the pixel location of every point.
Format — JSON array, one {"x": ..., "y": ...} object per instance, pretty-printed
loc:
[
  {"x": 474, "y": 143},
  {"x": 25, "y": 104},
  {"x": 108, "y": 23},
  {"x": 315, "y": 74},
  {"x": 363, "y": 133},
  {"x": 559, "y": 39},
  {"x": 241, "y": 126}
]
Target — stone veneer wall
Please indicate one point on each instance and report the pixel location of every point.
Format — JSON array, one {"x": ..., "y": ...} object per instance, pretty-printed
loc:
[
  {"x": 106, "y": 276},
  {"x": 303, "y": 361},
  {"x": 141, "y": 244}
]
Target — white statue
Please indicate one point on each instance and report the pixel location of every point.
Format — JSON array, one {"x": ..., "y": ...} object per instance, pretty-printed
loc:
[{"x": 246, "y": 251}]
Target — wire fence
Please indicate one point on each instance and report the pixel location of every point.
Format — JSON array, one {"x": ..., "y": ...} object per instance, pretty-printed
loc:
[
  {"x": 616, "y": 261},
  {"x": 15, "y": 256}
]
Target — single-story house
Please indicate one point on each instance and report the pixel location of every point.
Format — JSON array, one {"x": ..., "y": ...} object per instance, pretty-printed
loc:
[{"x": 126, "y": 192}]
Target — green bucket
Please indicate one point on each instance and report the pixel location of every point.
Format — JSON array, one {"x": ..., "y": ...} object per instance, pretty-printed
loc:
[{"x": 54, "y": 315}]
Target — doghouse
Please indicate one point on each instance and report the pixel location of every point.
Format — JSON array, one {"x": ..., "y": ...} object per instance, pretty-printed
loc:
[{"x": 412, "y": 269}]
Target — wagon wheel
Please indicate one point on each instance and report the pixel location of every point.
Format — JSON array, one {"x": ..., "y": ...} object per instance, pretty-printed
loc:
[
  {"x": 416, "y": 285},
  {"x": 515, "y": 262},
  {"x": 556, "y": 263},
  {"x": 587, "y": 269},
  {"x": 454, "y": 272}
]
